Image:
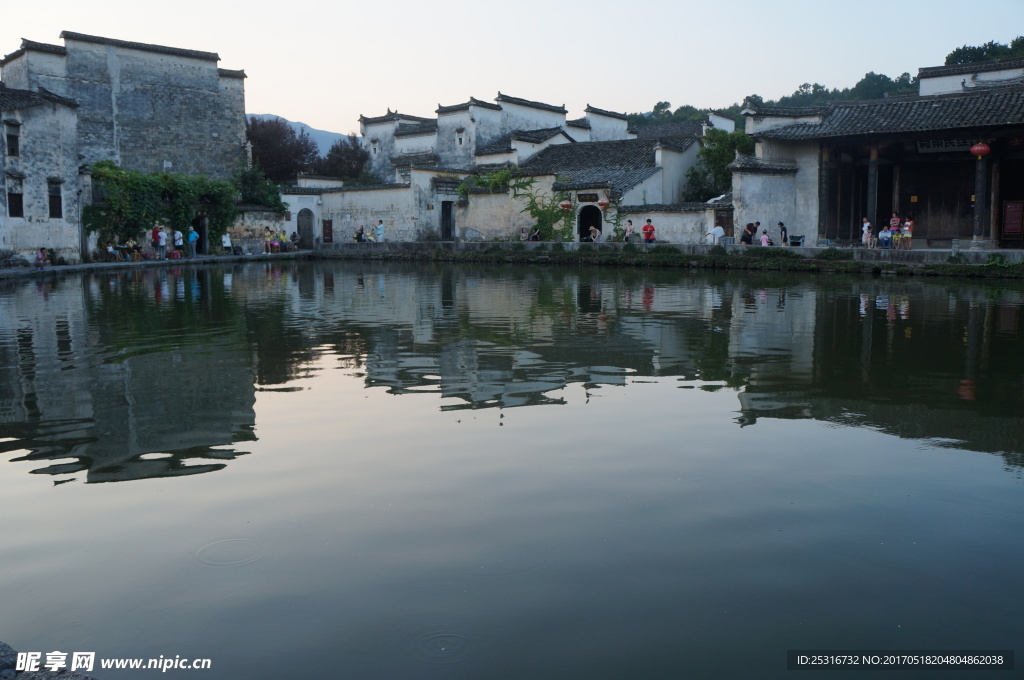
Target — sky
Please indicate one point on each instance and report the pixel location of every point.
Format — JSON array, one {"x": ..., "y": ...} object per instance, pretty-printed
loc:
[{"x": 325, "y": 62}]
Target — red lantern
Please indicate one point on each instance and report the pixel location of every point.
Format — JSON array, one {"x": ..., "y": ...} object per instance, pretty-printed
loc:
[
  {"x": 565, "y": 205},
  {"x": 981, "y": 149},
  {"x": 603, "y": 203}
]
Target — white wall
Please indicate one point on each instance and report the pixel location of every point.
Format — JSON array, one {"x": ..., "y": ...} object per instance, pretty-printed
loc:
[
  {"x": 605, "y": 128},
  {"x": 519, "y": 117},
  {"x": 954, "y": 83}
]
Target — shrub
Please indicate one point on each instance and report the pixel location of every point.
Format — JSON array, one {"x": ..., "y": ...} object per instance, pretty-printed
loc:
[{"x": 834, "y": 254}]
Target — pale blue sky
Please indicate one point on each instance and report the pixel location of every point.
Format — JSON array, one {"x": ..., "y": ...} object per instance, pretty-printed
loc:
[{"x": 324, "y": 62}]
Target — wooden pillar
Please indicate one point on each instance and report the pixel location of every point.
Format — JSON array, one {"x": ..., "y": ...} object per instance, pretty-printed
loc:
[
  {"x": 823, "y": 193},
  {"x": 993, "y": 213},
  {"x": 872, "y": 207},
  {"x": 980, "y": 189}
]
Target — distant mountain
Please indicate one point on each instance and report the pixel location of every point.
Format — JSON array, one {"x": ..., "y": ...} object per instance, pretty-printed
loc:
[{"x": 323, "y": 138}]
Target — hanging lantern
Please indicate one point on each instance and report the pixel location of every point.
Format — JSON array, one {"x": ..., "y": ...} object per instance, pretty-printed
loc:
[
  {"x": 981, "y": 149},
  {"x": 566, "y": 206},
  {"x": 603, "y": 204}
]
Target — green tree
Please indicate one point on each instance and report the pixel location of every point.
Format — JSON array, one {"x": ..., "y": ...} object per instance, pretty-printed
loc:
[
  {"x": 711, "y": 176},
  {"x": 345, "y": 158},
  {"x": 278, "y": 150},
  {"x": 990, "y": 51}
]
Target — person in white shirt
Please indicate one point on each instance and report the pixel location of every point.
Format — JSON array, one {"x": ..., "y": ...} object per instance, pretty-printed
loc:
[
  {"x": 716, "y": 233},
  {"x": 225, "y": 242},
  {"x": 867, "y": 237}
]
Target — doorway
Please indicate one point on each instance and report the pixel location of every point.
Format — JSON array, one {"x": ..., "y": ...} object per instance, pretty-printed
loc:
[
  {"x": 446, "y": 220},
  {"x": 590, "y": 216},
  {"x": 305, "y": 220}
]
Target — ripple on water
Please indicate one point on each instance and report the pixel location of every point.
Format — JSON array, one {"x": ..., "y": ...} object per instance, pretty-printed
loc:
[{"x": 232, "y": 552}]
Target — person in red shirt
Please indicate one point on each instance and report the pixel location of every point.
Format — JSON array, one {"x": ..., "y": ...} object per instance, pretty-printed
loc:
[{"x": 648, "y": 230}]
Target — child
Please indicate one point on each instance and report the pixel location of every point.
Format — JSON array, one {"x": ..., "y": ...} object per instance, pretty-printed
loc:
[{"x": 41, "y": 260}]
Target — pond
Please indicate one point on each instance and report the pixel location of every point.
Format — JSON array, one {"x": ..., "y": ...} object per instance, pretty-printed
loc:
[{"x": 372, "y": 470}]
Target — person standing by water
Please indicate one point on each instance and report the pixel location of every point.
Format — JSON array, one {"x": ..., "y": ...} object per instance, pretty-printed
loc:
[
  {"x": 747, "y": 237},
  {"x": 628, "y": 236},
  {"x": 765, "y": 241},
  {"x": 225, "y": 243},
  {"x": 648, "y": 230},
  {"x": 179, "y": 242},
  {"x": 894, "y": 229},
  {"x": 41, "y": 259},
  {"x": 866, "y": 233},
  {"x": 908, "y": 233},
  {"x": 193, "y": 241},
  {"x": 380, "y": 231},
  {"x": 783, "y": 234},
  {"x": 161, "y": 244}
]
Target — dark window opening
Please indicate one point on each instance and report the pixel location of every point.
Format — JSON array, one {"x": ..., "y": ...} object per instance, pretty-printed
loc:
[
  {"x": 15, "y": 206},
  {"x": 12, "y": 145},
  {"x": 56, "y": 201}
]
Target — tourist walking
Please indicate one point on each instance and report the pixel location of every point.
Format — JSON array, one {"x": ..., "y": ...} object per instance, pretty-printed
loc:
[
  {"x": 648, "y": 230},
  {"x": 193, "y": 240}
]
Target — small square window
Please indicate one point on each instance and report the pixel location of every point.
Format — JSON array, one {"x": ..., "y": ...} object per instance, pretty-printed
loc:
[
  {"x": 15, "y": 205},
  {"x": 460, "y": 140}
]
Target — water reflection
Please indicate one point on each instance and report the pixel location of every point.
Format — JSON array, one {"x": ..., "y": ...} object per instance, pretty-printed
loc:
[{"x": 100, "y": 372}]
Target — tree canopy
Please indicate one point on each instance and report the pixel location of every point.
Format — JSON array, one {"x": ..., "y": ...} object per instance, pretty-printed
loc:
[
  {"x": 990, "y": 51},
  {"x": 279, "y": 151},
  {"x": 710, "y": 176},
  {"x": 345, "y": 158}
]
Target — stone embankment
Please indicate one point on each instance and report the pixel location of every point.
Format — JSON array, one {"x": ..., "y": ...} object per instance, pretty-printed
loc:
[{"x": 928, "y": 262}]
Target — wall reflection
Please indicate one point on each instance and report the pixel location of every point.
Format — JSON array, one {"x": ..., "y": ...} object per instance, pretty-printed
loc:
[{"x": 154, "y": 373}]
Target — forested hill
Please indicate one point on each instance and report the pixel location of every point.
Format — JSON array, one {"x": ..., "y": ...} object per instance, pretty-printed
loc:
[{"x": 871, "y": 86}]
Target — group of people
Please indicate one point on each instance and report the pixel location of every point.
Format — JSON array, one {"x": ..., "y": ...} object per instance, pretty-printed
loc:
[
  {"x": 277, "y": 242},
  {"x": 373, "y": 235},
  {"x": 533, "y": 235},
  {"x": 750, "y": 233},
  {"x": 160, "y": 239},
  {"x": 897, "y": 235},
  {"x": 647, "y": 230}
]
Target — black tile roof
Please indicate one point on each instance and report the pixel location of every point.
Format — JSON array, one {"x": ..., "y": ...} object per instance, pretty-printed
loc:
[
  {"x": 504, "y": 143},
  {"x": 11, "y": 99},
  {"x": 678, "y": 128},
  {"x": 747, "y": 163},
  {"x": 473, "y": 101},
  {"x": 532, "y": 104},
  {"x": 228, "y": 73},
  {"x": 620, "y": 164},
  {"x": 175, "y": 51},
  {"x": 390, "y": 116},
  {"x": 415, "y": 129},
  {"x": 405, "y": 160},
  {"x": 978, "y": 67},
  {"x": 968, "y": 110},
  {"x": 785, "y": 111},
  {"x": 580, "y": 123},
  {"x": 32, "y": 46},
  {"x": 668, "y": 207},
  {"x": 607, "y": 114}
]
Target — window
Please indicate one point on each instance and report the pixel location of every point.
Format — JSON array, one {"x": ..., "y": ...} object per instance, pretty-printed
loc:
[
  {"x": 12, "y": 144},
  {"x": 373, "y": 146},
  {"x": 15, "y": 206},
  {"x": 56, "y": 201},
  {"x": 460, "y": 140}
]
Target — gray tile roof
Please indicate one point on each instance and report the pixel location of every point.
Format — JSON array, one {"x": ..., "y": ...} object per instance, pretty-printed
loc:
[
  {"x": 745, "y": 163},
  {"x": 678, "y": 128},
  {"x": 579, "y": 123},
  {"x": 978, "y": 67},
  {"x": 390, "y": 116},
  {"x": 620, "y": 164},
  {"x": 228, "y": 73},
  {"x": 416, "y": 129},
  {"x": 968, "y": 110},
  {"x": 405, "y": 160},
  {"x": 786, "y": 111},
  {"x": 32, "y": 46},
  {"x": 11, "y": 99},
  {"x": 504, "y": 143},
  {"x": 473, "y": 101},
  {"x": 160, "y": 49},
  {"x": 667, "y": 207},
  {"x": 526, "y": 102},
  {"x": 608, "y": 114}
]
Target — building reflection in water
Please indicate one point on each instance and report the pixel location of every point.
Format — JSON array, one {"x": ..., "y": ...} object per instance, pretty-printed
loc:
[{"x": 154, "y": 373}]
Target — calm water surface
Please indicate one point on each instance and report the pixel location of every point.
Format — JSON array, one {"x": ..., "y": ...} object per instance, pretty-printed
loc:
[{"x": 401, "y": 472}]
